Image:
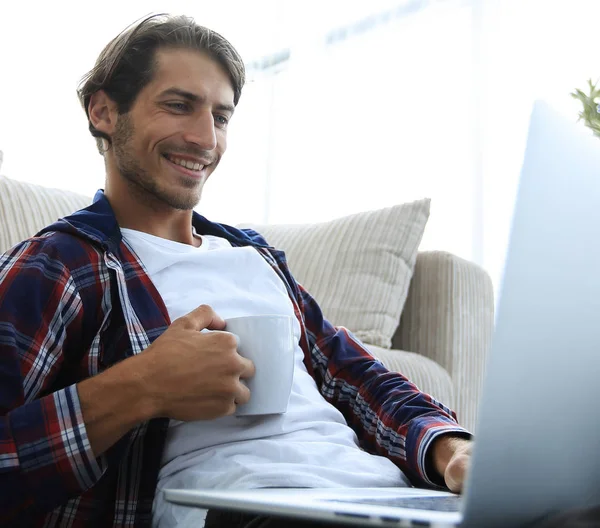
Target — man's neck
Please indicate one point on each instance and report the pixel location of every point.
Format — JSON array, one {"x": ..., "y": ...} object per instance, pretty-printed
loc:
[{"x": 151, "y": 216}]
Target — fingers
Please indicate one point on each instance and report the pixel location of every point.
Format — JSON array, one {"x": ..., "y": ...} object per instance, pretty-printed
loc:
[
  {"x": 456, "y": 472},
  {"x": 248, "y": 368},
  {"x": 236, "y": 364},
  {"x": 245, "y": 365},
  {"x": 242, "y": 395},
  {"x": 200, "y": 318}
]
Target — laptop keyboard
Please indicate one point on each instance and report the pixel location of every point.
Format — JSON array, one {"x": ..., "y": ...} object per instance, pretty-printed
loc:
[{"x": 443, "y": 504}]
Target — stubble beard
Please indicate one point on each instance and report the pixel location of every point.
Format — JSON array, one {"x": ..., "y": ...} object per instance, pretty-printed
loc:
[{"x": 144, "y": 185}]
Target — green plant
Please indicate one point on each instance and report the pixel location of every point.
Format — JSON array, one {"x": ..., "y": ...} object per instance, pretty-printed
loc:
[{"x": 591, "y": 106}]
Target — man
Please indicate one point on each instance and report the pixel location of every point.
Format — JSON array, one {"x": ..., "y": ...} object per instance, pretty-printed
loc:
[{"x": 100, "y": 391}]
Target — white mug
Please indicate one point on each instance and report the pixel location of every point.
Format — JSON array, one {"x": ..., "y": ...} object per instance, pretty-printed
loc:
[{"x": 268, "y": 341}]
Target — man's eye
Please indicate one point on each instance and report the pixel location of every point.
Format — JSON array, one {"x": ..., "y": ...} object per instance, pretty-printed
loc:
[
  {"x": 180, "y": 107},
  {"x": 221, "y": 120}
]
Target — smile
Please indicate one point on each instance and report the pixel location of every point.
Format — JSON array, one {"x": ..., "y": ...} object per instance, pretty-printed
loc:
[{"x": 186, "y": 164}]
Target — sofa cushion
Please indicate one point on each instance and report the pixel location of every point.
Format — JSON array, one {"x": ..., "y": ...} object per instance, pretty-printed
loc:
[
  {"x": 26, "y": 208},
  {"x": 357, "y": 267},
  {"x": 425, "y": 373}
]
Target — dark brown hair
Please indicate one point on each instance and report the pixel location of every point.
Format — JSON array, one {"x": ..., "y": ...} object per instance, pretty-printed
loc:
[{"x": 126, "y": 65}]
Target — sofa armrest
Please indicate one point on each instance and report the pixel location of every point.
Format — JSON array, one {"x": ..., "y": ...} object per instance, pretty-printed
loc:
[{"x": 449, "y": 318}]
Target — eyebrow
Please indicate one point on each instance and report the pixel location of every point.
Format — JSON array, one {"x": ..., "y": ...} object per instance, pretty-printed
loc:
[{"x": 194, "y": 98}]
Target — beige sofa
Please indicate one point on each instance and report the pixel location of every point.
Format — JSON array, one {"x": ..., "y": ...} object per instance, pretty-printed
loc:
[{"x": 441, "y": 340}]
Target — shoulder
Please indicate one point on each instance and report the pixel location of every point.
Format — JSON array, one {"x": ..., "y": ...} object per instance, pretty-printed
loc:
[{"x": 50, "y": 252}]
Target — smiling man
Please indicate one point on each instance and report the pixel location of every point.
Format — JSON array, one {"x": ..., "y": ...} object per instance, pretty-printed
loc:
[
  {"x": 168, "y": 144},
  {"x": 109, "y": 389}
]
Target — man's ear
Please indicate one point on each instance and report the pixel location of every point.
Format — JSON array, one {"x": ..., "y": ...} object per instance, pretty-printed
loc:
[{"x": 103, "y": 112}]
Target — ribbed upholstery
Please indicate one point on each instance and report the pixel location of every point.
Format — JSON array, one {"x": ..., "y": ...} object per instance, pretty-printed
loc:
[
  {"x": 449, "y": 318},
  {"x": 26, "y": 208},
  {"x": 425, "y": 373},
  {"x": 357, "y": 267}
]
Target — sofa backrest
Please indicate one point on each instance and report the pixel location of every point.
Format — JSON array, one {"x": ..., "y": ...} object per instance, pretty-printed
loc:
[{"x": 26, "y": 208}]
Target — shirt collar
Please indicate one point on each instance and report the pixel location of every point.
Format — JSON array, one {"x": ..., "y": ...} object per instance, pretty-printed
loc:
[{"x": 99, "y": 223}]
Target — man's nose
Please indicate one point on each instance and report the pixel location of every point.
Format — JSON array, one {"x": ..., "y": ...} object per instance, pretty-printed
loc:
[{"x": 202, "y": 132}]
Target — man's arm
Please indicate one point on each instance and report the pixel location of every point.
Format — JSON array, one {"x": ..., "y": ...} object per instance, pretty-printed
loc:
[
  {"x": 45, "y": 454},
  {"x": 389, "y": 414}
]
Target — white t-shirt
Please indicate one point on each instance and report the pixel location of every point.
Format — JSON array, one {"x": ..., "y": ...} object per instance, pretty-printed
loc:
[{"x": 309, "y": 446}]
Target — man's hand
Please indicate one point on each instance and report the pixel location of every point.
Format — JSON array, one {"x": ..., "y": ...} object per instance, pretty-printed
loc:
[
  {"x": 451, "y": 459},
  {"x": 193, "y": 375},
  {"x": 185, "y": 375}
]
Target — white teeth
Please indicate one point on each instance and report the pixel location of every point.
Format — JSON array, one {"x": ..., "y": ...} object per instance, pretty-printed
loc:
[{"x": 187, "y": 164}]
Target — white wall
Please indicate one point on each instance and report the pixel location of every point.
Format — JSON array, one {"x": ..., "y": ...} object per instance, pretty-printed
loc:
[
  {"x": 379, "y": 119},
  {"x": 531, "y": 49}
]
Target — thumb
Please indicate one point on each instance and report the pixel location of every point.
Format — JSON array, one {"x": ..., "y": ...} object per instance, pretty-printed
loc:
[
  {"x": 456, "y": 472},
  {"x": 202, "y": 317}
]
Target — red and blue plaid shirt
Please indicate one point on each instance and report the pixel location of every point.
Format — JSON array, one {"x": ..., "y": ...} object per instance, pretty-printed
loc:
[{"x": 74, "y": 300}]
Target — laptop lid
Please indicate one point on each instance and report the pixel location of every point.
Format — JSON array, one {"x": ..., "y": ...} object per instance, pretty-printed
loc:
[{"x": 538, "y": 437}]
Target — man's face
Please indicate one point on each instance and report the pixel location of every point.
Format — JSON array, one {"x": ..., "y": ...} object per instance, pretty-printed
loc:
[{"x": 173, "y": 138}]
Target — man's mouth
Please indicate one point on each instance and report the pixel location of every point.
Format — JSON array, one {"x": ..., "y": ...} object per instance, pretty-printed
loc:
[{"x": 185, "y": 163}]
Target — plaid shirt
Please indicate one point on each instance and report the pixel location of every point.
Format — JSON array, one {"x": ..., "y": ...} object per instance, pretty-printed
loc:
[{"x": 75, "y": 300}]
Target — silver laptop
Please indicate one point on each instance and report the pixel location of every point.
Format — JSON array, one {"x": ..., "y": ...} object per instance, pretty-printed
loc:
[{"x": 537, "y": 449}]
